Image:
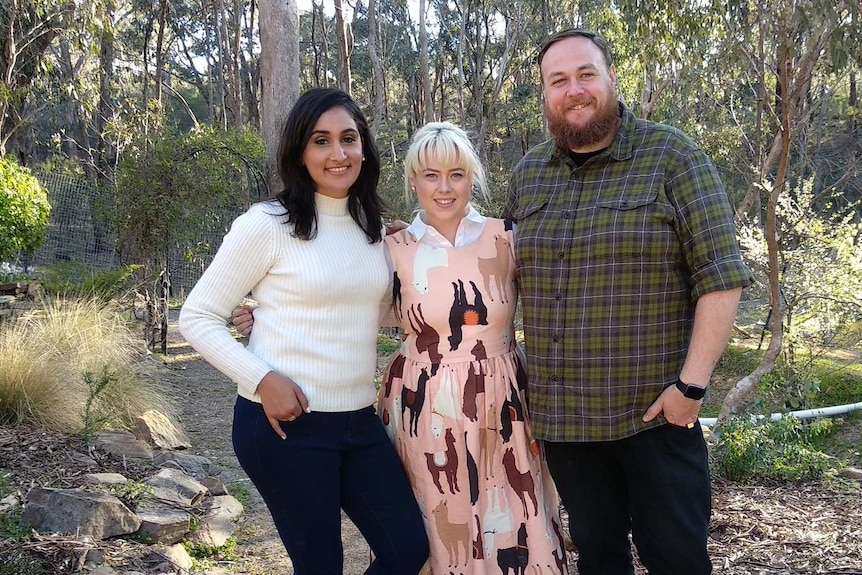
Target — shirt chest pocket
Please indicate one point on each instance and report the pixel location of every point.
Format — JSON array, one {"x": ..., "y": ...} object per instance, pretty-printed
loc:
[
  {"x": 636, "y": 224},
  {"x": 533, "y": 231}
]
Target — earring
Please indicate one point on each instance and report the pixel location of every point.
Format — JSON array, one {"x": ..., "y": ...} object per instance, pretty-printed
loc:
[{"x": 363, "y": 158}]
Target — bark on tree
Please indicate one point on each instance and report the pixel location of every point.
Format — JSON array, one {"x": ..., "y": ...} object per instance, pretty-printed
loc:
[
  {"x": 160, "y": 48},
  {"x": 424, "y": 70},
  {"x": 376, "y": 68},
  {"x": 105, "y": 154},
  {"x": 279, "y": 67},
  {"x": 344, "y": 79}
]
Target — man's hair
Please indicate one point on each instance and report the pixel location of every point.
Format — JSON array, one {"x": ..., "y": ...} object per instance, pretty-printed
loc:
[{"x": 574, "y": 33}]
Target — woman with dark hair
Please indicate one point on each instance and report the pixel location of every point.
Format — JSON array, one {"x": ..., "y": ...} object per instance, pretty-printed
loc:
[{"x": 304, "y": 426}]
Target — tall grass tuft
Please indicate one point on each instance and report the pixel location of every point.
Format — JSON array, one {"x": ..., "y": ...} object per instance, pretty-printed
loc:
[{"x": 49, "y": 357}]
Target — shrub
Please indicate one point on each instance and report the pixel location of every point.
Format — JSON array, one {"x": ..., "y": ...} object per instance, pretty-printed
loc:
[
  {"x": 783, "y": 450},
  {"x": 48, "y": 356},
  {"x": 72, "y": 279},
  {"x": 24, "y": 210}
]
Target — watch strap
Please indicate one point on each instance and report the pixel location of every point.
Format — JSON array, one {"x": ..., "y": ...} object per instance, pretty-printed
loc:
[{"x": 691, "y": 391}]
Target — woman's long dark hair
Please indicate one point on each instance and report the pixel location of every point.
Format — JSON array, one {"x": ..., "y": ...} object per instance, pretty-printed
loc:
[{"x": 297, "y": 197}]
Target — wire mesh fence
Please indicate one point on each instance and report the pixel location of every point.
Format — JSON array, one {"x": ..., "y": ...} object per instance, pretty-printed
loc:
[{"x": 82, "y": 231}]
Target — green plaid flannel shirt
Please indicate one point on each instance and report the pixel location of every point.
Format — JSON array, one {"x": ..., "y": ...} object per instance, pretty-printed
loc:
[{"x": 612, "y": 257}]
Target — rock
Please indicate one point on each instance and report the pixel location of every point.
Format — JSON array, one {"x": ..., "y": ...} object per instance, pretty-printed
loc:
[
  {"x": 123, "y": 444},
  {"x": 104, "y": 570},
  {"x": 91, "y": 558},
  {"x": 175, "y": 555},
  {"x": 155, "y": 427},
  {"x": 164, "y": 526},
  {"x": 173, "y": 486},
  {"x": 78, "y": 512},
  {"x": 82, "y": 459},
  {"x": 224, "y": 505},
  {"x": 195, "y": 465},
  {"x": 9, "y": 503},
  {"x": 852, "y": 473},
  {"x": 103, "y": 479},
  {"x": 217, "y": 521},
  {"x": 215, "y": 485}
]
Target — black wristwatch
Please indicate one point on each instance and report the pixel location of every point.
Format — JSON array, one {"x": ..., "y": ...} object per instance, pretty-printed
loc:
[{"x": 691, "y": 391}]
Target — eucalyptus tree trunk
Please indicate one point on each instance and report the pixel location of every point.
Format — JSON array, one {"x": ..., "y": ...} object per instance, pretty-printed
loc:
[
  {"x": 424, "y": 70},
  {"x": 234, "y": 89},
  {"x": 320, "y": 42},
  {"x": 344, "y": 79},
  {"x": 512, "y": 32},
  {"x": 105, "y": 153},
  {"x": 279, "y": 70},
  {"x": 459, "y": 59},
  {"x": 77, "y": 142},
  {"x": 251, "y": 71},
  {"x": 376, "y": 68},
  {"x": 219, "y": 66},
  {"x": 164, "y": 7}
]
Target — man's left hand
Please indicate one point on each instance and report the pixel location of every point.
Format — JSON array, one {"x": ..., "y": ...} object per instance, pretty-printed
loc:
[{"x": 677, "y": 408}]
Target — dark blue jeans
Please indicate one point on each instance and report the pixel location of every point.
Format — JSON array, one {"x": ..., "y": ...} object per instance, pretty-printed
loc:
[
  {"x": 654, "y": 484},
  {"x": 330, "y": 462}
]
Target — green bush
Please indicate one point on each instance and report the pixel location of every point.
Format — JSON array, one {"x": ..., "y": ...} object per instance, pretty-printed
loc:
[
  {"x": 24, "y": 210},
  {"x": 73, "y": 279},
  {"x": 783, "y": 450}
]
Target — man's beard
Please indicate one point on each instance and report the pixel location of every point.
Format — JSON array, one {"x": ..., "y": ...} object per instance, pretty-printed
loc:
[{"x": 570, "y": 137}]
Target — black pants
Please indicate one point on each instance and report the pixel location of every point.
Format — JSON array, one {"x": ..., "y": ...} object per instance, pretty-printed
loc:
[
  {"x": 654, "y": 484},
  {"x": 330, "y": 462}
]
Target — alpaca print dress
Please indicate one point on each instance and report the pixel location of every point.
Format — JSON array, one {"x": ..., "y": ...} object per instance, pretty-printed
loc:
[{"x": 453, "y": 402}]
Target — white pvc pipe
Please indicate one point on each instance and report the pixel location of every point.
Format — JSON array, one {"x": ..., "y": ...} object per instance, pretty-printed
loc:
[{"x": 802, "y": 414}]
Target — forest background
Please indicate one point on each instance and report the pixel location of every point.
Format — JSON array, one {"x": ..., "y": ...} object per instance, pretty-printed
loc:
[{"x": 154, "y": 123}]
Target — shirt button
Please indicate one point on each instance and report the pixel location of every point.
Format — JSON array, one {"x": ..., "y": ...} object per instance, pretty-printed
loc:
[
  {"x": 558, "y": 296},
  {"x": 562, "y": 255},
  {"x": 556, "y": 338},
  {"x": 554, "y": 378},
  {"x": 567, "y": 215}
]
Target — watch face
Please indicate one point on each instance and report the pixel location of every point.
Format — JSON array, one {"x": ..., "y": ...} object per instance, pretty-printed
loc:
[{"x": 691, "y": 391}]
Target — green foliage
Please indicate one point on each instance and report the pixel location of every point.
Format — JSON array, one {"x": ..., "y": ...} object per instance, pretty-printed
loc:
[
  {"x": 241, "y": 493},
  {"x": 12, "y": 531},
  {"x": 168, "y": 191},
  {"x": 18, "y": 561},
  {"x": 821, "y": 275},
  {"x": 783, "y": 450},
  {"x": 789, "y": 386},
  {"x": 840, "y": 382},
  {"x": 73, "y": 279},
  {"x": 12, "y": 528},
  {"x": 201, "y": 553},
  {"x": 387, "y": 344},
  {"x": 92, "y": 420},
  {"x": 130, "y": 492},
  {"x": 24, "y": 210}
]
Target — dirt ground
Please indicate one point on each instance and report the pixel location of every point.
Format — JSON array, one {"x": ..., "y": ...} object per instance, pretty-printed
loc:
[
  {"x": 784, "y": 529},
  {"x": 814, "y": 528}
]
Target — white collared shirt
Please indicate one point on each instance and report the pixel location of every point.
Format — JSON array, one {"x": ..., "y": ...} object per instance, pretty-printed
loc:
[{"x": 469, "y": 230}]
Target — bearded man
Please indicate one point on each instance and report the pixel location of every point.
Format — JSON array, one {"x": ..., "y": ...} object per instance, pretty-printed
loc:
[{"x": 630, "y": 277}]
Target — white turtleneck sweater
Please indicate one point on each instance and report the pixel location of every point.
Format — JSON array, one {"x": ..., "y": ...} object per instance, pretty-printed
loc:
[{"x": 319, "y": 304}]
